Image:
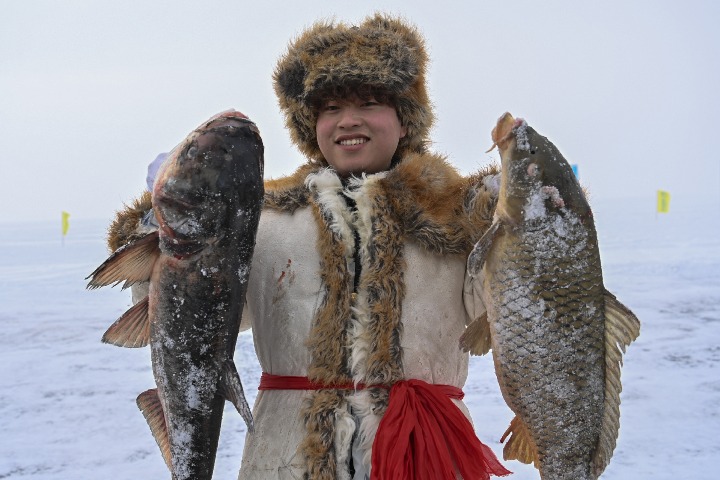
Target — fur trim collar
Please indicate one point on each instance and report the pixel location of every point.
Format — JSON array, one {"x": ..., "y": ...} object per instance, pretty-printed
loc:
[
  {"x": 434, "y": 204},
  {"x": 124, "y": 227}
]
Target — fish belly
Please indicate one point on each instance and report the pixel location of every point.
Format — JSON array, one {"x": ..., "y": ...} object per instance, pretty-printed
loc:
[
  {"x": 546, "y": 314},
  {"x": 188, "y": 341}
]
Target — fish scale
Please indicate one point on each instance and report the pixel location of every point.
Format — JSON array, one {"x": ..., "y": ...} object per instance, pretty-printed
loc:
[
  {"x": 556, "y": 334},
  {"x": 537, "y": 337}
]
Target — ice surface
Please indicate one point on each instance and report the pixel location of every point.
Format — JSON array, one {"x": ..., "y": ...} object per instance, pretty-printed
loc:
[{"x": 67, "y": 401}]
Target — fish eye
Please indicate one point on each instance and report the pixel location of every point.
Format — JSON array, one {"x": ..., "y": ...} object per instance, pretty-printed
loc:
[{"x": 532, "y": 152}]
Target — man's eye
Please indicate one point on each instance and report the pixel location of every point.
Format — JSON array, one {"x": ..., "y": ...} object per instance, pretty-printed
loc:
[{"x": 370, "y": 103}]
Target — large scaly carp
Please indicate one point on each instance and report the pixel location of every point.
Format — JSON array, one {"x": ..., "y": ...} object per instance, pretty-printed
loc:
[
  {"x": 206, "y": 200},
  {"x": 556, "y": 334}
]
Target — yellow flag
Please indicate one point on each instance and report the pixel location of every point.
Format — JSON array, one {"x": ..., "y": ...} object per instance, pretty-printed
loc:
[
  {"x": 663, "y": 201},
  {"x": 65, "y": 222}
]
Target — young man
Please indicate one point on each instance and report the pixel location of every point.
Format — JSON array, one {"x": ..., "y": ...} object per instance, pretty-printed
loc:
[{"x": 358, "y": 293}]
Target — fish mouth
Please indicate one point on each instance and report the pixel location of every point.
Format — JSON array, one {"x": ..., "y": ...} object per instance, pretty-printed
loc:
[
  {"x": 504, "y": 131},
  {"x": 225, "y": 116},
  {"x": 229, "y": 119},
  {"x": 236, "y": 120},
  {"x": 182, "y": 235},
  {"x": 179, "y": 245}
]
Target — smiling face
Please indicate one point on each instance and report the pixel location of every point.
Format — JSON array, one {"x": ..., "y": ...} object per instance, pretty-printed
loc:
[{"x": 358, "y": 135}]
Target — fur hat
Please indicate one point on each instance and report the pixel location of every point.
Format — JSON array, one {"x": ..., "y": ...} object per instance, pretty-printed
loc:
[{"x": 382, "y": 53}]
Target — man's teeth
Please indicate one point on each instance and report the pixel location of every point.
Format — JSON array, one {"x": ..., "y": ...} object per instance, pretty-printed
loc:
[{"x": 353, "y": 141}]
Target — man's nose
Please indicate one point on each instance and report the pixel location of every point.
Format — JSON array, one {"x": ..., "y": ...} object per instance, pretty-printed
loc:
[{"x": 350, "y": 117}]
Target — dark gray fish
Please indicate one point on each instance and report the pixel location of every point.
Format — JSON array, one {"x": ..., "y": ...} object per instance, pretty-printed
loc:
[
  {"x": 556, "y": 334},
  {"x": 207, "y": 200}
]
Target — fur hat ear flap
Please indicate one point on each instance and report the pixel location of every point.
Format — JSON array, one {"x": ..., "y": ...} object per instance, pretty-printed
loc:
[
  {"x": 383, "y": 53},
  {"x": 291, "y": 80}
]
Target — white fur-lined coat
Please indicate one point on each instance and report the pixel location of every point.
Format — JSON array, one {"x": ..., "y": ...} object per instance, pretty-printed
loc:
[{"x": 416, "y": 224}]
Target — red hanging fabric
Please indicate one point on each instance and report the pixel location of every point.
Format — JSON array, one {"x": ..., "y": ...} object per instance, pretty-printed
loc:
[{"x": 423, "y": 435}]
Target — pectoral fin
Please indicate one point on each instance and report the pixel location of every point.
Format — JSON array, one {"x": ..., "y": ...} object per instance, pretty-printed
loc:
[
  {"x": 131, "y": 263},
  {"x": 622, "y": 327},
  {"x": 476, "y": 338},
  {"x": 477, "y": 257},
  {"x": 149, "y": 404},
  {"x": 520, "y": 446},
  {"x": 132, "y": 329},
  {"x": 231, "y": 388}
]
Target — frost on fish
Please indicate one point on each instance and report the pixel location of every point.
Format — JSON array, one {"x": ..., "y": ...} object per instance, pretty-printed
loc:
[
  {"x": 547, "y": 341},
  {"x": 206, "y": 200},
  {"x": 521, "y": 136},
  {"x": 243, "y": 273},
  {"x": 556, "y": 334},
  {"x": 182, "y": 450}
]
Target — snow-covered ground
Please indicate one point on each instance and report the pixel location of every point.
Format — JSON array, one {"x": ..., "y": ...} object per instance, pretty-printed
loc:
[{"x": 67, "y": 401}]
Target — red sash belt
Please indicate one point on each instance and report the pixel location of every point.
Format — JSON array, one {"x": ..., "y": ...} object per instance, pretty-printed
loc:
[
  {"x": 268, "y": 381},
  {"x": 423, "y": 435}
]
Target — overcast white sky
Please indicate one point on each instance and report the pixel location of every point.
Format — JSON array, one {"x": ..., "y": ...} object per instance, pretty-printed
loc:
[{"x": 92, "y": 90}]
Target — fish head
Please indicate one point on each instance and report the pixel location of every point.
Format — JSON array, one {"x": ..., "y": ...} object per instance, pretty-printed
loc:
[
  {"x": 205, "y": 180},
  {"x": 536, "y": 178}
]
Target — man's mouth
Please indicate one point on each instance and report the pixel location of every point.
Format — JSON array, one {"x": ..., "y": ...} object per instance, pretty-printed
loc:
[{"x": 353, "y": 141}]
